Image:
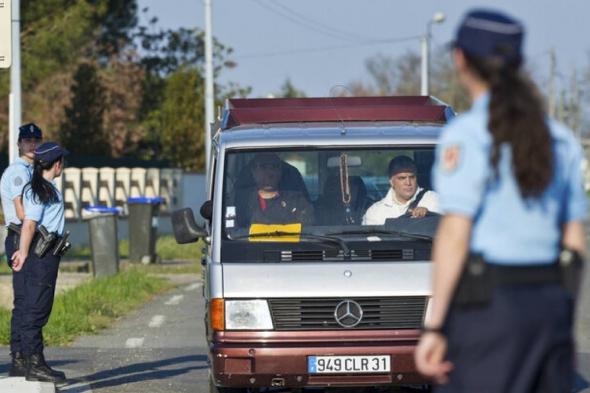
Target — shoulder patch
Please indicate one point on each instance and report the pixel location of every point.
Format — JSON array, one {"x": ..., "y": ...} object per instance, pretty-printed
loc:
[
  {"x": 451, "y": 157},
  {"x": 17, "y": 181}
]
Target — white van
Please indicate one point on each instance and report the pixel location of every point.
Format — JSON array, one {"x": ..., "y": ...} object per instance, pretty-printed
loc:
[{"x": 298, "y": 292}]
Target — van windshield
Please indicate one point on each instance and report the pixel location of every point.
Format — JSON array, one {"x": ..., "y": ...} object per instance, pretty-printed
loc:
[{"x": 324, "y": 191}]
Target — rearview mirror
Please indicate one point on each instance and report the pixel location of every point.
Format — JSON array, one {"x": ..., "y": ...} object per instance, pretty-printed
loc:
[
  {"x": 185, "y": 228},
  {"x": 352, "y": 161}
]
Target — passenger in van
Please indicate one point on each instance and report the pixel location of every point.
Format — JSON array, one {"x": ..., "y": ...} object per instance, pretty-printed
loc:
[
  {"x": 404, "y": 196},
  {"x": 266, "y": 202}
]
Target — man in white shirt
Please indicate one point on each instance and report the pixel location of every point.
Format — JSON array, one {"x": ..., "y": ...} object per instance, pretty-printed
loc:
[{"x": 402, "y": 196}]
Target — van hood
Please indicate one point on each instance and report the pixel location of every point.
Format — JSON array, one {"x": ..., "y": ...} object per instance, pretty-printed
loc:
[{"x": 354, "y": 279}]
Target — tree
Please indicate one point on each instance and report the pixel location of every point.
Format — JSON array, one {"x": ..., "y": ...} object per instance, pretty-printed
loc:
[
  {"x": 83, "y": 130},
  {"x": 122, "y": 80},
  {"x": 401, "y": 76},
  {"x": 288, "y": 90},
  {"x": 181, "y": 120},
  {"x": 59, "y": 35},
  {"x": 56, "y": 36}
]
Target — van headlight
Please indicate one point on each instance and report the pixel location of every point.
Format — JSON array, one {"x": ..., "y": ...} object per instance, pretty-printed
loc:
[{"x": 247, "y": 315}]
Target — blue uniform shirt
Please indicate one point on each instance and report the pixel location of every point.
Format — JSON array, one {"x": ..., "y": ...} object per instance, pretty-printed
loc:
[
  {"x": 12, "y": 183},
  {"x": 51, "y": 216},
  {"x": 507, "y": 229}
]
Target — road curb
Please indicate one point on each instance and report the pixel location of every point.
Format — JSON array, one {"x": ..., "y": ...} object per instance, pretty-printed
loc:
[{"x": 19, "y": 385}]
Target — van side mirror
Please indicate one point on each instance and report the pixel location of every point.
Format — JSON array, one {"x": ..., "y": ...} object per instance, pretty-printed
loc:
[
  {"x": 185, "y": 228},
  {"x": 206, "y": 210}
]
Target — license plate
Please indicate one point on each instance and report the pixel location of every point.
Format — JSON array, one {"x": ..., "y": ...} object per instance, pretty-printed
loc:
[{"x": 348, "y": 364}]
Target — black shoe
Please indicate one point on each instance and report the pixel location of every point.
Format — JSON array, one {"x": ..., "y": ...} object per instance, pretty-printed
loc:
[
  {"x": 18, "y": 368},
  {"x": 38, "y": 370}
]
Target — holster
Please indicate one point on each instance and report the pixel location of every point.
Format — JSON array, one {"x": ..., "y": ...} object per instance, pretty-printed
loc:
[
  {"x": 571, "y": 265},
  {"x": 475, "y": 285},
  {"x": 15, "y": 229},
  {"x": 62, "y": 245},
  {"x": 43, "y": 241}
]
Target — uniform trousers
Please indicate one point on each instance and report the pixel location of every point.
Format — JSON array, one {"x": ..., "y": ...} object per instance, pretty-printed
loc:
[
  {"x": 18, "y": 287},
  {"x": 40, "y": 276},
  {"x": 519, "y": 342}
]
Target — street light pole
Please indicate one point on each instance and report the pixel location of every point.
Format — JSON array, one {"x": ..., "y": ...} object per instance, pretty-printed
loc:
[
  {"x": 14, "y": 100},
  {"x": 439, "y": 17},
  {"x": 209, "y": 93},
  {"x": 425, "y": 83}
]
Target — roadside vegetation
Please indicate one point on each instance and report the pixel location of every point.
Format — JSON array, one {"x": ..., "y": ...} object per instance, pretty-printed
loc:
[
  {"x": 93, "y": 306},
  {"x": 166, "y": 248},
  {"x": 177, "y": 258}
]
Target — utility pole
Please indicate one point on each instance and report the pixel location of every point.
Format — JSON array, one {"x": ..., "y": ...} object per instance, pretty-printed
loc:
[
  {"x": 439, "y": 17},
  {"x": 14, "y": 100},
  {"x": 209, "y": 93},
  {"x": 552, "y": 71},
  {"x": 425, "y": 47}
]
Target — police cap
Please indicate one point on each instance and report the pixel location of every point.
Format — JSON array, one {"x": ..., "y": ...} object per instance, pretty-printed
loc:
[
  {"x": 49, "y": 152},
  {"x": 29, "y": 131},
  {"x": 487, "y": 33}
]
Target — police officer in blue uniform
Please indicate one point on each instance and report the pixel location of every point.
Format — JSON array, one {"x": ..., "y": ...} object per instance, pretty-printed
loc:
[
  {"x": 509, "y": 248},
  {"x": 40, "y": 248},
  {"x": 12, "y": 182}
]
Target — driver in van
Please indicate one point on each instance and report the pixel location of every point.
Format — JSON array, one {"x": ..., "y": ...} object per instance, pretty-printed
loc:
[
  {"x": 404, "y": 196},
  {"x": 267, "y": 203}
]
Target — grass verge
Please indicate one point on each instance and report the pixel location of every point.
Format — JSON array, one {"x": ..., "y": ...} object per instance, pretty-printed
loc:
[
  {"x": 166, "y": 248},
  {"x": 92, "y": 306}
]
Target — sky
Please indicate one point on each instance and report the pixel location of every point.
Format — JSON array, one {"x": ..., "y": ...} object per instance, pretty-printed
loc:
[{"x": 323, "y": 44}]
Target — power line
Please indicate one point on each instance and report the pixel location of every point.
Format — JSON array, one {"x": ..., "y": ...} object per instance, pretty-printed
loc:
[
  {"x": 300, "y": 22},
  {"x": 325, "y": 48},
  {"x": 307, "y": 19}
]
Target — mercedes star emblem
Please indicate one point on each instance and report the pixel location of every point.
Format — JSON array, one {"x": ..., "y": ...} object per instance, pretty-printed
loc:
[{"x": 348, "y": 313}]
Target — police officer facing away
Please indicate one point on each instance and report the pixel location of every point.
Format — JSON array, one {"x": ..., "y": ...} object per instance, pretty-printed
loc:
[
  {"x": 509, "y": 181},
  {"x": 13, "y": 180},
  {"x": 39, "y": 254}
]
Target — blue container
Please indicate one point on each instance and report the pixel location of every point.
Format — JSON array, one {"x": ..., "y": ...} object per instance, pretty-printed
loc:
[
  {"x": 100, "y": 209},
  {"x": 146, "y": 200}
]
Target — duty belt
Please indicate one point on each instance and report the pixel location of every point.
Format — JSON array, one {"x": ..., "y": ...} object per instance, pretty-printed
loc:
[
  {"x": 43, "y": 241},
  {"x": 479, "y": 277}
]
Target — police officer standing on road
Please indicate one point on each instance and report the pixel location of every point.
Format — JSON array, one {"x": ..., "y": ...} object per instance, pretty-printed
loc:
[
  {"x": 507, "y": 253},
  {"x": 13, "y": 180},
  {"x": 40, "y": 249}
]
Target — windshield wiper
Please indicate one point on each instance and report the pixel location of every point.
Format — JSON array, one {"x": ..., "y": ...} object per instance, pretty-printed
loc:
[
  {"x": 371, "y": 231},
  {"x": 324, "y": 239}
]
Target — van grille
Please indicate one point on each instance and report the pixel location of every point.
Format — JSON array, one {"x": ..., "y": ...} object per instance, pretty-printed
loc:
[
  {"x": 338, "y": 255},
  {"x": 318, "y": 314}
]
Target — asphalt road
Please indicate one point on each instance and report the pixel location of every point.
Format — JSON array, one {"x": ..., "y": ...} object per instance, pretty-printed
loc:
[
  {"x": 161, "y": 348},
  {"x": 158, "y": 348}
]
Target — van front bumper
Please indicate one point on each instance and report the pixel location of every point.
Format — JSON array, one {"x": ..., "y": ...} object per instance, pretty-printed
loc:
[{"x": 259, "y": 359}]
